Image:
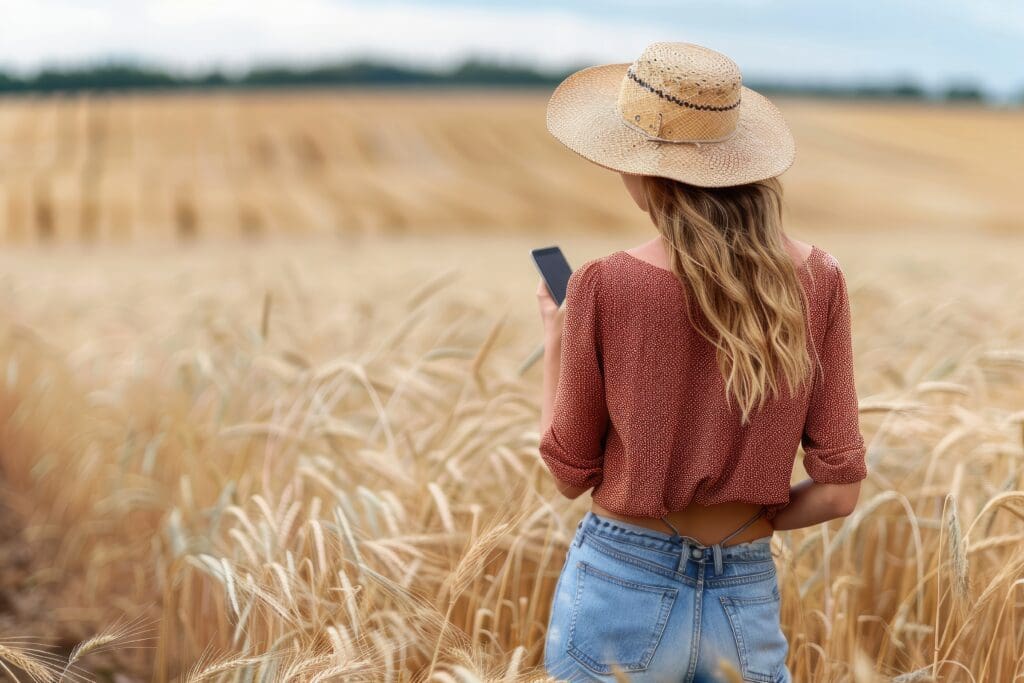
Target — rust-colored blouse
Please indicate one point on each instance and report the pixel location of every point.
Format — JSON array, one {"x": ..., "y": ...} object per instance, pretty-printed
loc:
[{"x": 640, "y": 409}]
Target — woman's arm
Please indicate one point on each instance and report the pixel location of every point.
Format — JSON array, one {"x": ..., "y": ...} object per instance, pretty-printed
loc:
[
  {"x": 834, "y": 449},
  {"x": 811, "y": 503},
  {"x": 552, "y": 355},
  {"x": 574, "y": 417},
  {"x": 552, "y": 363}
]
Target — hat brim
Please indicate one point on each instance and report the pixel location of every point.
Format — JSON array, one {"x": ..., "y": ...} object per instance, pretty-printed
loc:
[{"x": 583, "y": 115}]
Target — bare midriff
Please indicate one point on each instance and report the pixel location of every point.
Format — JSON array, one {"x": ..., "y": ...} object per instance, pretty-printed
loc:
[{"x": 708, "y": 524}]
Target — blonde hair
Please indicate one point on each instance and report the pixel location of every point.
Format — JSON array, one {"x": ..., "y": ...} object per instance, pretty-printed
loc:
[{"x": 726, "y": 246}]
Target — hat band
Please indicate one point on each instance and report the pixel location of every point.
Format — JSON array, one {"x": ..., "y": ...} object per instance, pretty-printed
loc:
[
  {"x": 672, "y": 98},
  {"x": 655, "y": 138}
]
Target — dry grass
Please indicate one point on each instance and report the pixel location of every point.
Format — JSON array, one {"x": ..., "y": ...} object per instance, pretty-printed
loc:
[
  {"x": 362, "y": 164},
  {"x": 335, "y": 488},
  {"x": 318, "y": 461},
  {"x": 42, "y": 663}
]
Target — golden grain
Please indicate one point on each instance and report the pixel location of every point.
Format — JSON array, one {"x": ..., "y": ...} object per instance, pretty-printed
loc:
[{"x": 321, "y": 459}]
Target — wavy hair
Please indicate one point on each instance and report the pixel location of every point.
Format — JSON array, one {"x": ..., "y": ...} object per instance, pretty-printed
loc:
[{"x": 727, "y": 248}]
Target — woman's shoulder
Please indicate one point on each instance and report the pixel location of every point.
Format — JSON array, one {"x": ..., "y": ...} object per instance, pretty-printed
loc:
[
  {"x": 623, "y": 268},
  {"x": 589, "y": 272},
  {"x": 608, "y": 270},
  {"x": 824, "y": 266},
  {"x": 826, "y": 282},
  {"x": 585, "y": 281},
  {"x": 827, "y": 260},
  {"x": 614, "y": 277}
]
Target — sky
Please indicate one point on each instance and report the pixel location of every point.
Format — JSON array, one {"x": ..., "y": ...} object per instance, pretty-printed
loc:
[{"x": 933, "y": 42}]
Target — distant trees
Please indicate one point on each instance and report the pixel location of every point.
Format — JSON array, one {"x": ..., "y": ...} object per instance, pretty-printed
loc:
[
  {"x": 895, "y": 90},
  {"x": 105, "y": 77},
  {"x": 963, "y": 92},
  {"x": 474, "y": 71}
]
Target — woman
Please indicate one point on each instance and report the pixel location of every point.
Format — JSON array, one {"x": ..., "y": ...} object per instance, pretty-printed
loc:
[{"x": 681, "y": 375}]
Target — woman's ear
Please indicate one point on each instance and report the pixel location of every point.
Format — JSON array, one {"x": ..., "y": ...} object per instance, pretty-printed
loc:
[{"x": 635, "y": 185}]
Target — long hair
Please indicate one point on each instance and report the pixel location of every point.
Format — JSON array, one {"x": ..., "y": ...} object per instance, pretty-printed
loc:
[{"x": 726, "y": 246}]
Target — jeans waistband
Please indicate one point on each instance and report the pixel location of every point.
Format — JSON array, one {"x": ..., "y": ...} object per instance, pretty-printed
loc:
[{"x": 614, "y": 529}]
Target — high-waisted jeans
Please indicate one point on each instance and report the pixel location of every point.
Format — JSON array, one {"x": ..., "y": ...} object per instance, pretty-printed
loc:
[{"x": 665, "y": 607}]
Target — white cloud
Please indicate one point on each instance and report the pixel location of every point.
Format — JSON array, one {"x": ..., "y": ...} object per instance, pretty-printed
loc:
[
  {"x": 1004, "y": 16},
  {"x": 193, "y": 33},
  {"x": 789, "y": 40},
  {"x": 234, "y": 33}
]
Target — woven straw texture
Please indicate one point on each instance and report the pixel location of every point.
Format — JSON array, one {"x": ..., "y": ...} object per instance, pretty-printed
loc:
[{"x": 679, "y": 111}]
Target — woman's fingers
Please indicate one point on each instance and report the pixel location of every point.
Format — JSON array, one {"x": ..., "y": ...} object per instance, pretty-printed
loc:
[
  {"x": 550, "y": 312},
  {"x": 545, "y": 296}
]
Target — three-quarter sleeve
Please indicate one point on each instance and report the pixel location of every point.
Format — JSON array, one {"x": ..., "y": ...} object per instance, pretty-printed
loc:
[
  {"x": 834, "y": 450},
  {"x": 572, "y": 446}
]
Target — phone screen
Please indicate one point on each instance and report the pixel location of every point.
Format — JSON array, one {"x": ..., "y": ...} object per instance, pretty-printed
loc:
[{"x": 555, "y": 270}]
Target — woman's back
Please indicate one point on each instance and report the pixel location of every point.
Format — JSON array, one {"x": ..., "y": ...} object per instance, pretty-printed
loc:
[{"x": 641, "y": 411}]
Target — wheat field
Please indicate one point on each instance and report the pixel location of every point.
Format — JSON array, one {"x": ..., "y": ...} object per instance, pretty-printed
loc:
[
  {"x": 304, "y": 450},
  {"x": 359, "y": 164}
]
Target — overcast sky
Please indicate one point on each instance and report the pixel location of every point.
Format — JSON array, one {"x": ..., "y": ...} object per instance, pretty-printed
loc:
[{"x": 935, "y": 42}]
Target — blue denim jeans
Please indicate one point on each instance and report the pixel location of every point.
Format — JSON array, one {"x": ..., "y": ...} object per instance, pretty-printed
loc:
[{"x": 664, "y": 607}]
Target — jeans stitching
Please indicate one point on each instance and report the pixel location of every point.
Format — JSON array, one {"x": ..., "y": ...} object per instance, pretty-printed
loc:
[
  {"x": 748, "y": 675},
  {"x": 734, "y": 560},
  {"x": 697, "y": 618},
  {"x": 748, "y": 556},
  {"x": 668, "y": 598},
  {"x": 756, "y": 600},
  {"x": 600, "y": 528},
  {"x": 647, "y": 565},
  {"x": 609, "y": 551},
  {"x": 642, "y": 534},
  {"x": 597, "y": 533},
  {"x": 650, "y": 587},
  {"x": 575, "y": 604},
  {"x": 729, "y": 604},
  {"x": 666, "y": 610},
  {"x": 740, "y": 580}
]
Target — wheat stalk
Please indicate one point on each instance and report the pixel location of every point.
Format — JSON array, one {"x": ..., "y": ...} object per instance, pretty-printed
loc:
[{"x": 35, "y": 669}]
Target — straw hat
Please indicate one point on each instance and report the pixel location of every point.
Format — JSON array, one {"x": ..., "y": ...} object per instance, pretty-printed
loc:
[{"x": 679, "y": 111}]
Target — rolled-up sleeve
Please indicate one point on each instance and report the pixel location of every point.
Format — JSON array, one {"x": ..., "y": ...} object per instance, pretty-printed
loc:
[
  {"x": 834, "y": 450},
  {"x": 572, "y": 446}
]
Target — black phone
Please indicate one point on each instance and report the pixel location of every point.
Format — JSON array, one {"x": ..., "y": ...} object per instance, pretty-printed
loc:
[{"x": 555, "y": 270}]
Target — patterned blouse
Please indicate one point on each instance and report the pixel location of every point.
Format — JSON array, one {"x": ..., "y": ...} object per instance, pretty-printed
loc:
[{"x": 640, "y": 410}]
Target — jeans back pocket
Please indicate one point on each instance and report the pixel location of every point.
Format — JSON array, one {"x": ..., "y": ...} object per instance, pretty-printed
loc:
[
  {"x": 616, "y": 620},
  {"x": 760, "y": 642}
]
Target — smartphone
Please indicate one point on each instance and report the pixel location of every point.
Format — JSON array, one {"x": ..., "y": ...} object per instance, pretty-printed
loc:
[{"x": 555, "y": 270}]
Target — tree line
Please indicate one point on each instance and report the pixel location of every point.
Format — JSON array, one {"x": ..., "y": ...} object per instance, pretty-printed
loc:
[{"x": 365, "y": 72}]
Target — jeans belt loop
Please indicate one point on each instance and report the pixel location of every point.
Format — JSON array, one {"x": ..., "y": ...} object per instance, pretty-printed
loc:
[{"x": 716, "y": 550}]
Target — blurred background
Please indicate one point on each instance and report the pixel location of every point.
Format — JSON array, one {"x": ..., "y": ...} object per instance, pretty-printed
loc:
[
  {"x": 260, "y": 255},
  {"x": 132, "y": 121}
]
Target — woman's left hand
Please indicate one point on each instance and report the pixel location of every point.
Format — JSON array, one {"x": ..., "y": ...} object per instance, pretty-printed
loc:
[{"x": 551, "y": 314}]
